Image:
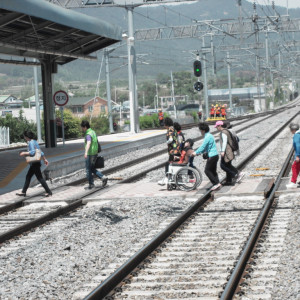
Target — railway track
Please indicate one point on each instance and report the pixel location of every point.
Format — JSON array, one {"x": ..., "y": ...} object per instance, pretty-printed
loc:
[
  {"x": 33, "y": 211},
  {"x": 76, "y": 215},
  {"x": 195, "y": 254}
]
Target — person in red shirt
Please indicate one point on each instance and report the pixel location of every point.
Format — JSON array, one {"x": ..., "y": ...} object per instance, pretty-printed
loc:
[
  {"x": 223, "y": 112},
  {"x": 212, "y": 112},
  {"x": 161, "y": 118}
]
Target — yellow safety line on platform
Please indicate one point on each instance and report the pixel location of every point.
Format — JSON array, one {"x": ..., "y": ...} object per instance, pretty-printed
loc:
[
  {"x": 142, "y": 134},
  {"x": 257, "y": 175},
  {"x": 13, "y": 174},
  {"x": 22, "y": 166}
]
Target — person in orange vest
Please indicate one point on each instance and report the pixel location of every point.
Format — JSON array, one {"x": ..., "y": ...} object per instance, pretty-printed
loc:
[
  {"x": 218, "y": 112},
  {"x": 212, "y": 112},
  {"x": 223, "y": 111},
  {"x": 161, "y": 118}
]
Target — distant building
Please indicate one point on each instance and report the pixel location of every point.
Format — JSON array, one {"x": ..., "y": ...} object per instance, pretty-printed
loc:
[
  {"x": 85, "y": 106},
  {"x": 245, "y": 95},
  {"x": 168, "y": 101},
  {"x": 10, "y": 101},
  {"x": 31, "y": 101}
]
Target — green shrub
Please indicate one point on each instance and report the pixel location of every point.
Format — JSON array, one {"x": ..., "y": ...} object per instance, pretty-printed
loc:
[
  {"x": 17, "y": 126},
  {"x": 100, "y": 124},
  {"x": 71, "y": 124},
  {"x": 146, "y": 122}
]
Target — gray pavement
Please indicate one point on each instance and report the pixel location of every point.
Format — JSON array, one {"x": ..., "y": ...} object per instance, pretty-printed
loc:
[{"x": 14, "y": 168}]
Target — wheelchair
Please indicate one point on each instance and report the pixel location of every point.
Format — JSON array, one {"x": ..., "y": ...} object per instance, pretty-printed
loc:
[{"x": 183, "y": 177}]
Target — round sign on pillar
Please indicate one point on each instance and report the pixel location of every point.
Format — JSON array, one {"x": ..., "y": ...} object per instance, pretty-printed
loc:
[{"x": 60, "y": 98}]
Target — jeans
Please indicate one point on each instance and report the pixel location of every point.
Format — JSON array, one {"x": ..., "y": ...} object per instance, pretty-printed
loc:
[
  {"x": 230, "y": 170},
  {"x": 35, "y": 169},
  {"x": 90, "y": 168},
  {"x": 211, "y": 169}
]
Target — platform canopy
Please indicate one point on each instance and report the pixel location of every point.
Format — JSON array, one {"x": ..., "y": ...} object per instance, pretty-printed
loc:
[{"x": 39, "y": 29}]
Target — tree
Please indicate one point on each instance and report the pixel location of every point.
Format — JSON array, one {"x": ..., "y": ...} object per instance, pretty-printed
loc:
[{"x": 17, "y": 126}]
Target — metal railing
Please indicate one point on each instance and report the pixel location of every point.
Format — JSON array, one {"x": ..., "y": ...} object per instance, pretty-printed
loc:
[{"x": 4, "y": 136}]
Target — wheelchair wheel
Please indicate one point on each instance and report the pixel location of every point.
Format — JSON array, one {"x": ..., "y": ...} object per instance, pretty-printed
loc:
[
  {"x": 200, "y": 176},
  {"x": 187, "y": 178}
]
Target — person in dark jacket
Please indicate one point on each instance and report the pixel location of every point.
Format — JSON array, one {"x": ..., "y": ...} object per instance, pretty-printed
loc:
[
  {"x": 294, "y": 128},
  {"x": 173, "y": 146},
  {"x": 35, "y": 167}
]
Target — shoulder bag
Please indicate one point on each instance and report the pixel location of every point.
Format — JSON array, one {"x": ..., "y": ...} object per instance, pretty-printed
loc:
[
  {"x": 99, "y": 162},
  {"x": 35, "y": 158}
]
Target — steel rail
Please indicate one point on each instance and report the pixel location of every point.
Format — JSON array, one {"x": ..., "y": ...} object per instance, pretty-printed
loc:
[
  {"x": 122, "y": 272},
  {"x": 76, "y": 203},
  {"x": 237, "y": 273}
]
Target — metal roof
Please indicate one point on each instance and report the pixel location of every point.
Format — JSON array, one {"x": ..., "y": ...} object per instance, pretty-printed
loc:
[
  {"x": 36, "y": 28},
  {"x": 235, "y": 91}
]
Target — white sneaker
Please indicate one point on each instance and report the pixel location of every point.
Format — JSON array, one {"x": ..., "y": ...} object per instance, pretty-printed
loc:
[
  {"x": 163, "y": 181},
  {"x": 216, "y": 186},
  {"x": 240, "y": 176},
  {"x": 291, "y": 185}
]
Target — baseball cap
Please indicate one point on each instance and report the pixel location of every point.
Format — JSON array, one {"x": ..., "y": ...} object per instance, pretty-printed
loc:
[{"x": 219, "y": 123}]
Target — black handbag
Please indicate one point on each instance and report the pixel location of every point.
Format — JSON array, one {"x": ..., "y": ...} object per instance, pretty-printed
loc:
[
  {"x": 205, "y": 155},
  {"x": 99, "y": 162}
]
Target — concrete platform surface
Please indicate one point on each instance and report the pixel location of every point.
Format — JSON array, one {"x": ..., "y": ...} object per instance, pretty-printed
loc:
[{"x": 13, "y": 168}]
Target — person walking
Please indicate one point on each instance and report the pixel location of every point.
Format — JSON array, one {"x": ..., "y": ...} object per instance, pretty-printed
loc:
[
  {"x": 34, "y": 167},
  {"x": 173, "y": 147},
  {"x": 294, "y": 128},
  {"x": 209, "y": 146},
  {"x": 227, "y": 154},
  {"x": 90, "y": 155}
]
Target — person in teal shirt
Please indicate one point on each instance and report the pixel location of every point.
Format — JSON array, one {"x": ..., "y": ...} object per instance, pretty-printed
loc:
[
  {"x": 90, "y": 155},
  {"x": 209, "y": 146}
]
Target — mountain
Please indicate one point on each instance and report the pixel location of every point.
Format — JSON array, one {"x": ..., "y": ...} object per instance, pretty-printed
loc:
[{"x": 154, "y": 57}]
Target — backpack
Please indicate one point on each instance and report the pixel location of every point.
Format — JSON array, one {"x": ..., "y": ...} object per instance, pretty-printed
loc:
[{"x": 235, "y": 141}]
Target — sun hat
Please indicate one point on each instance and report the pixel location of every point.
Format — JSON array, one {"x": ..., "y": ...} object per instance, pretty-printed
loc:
[{"x": 219, "y": 123}]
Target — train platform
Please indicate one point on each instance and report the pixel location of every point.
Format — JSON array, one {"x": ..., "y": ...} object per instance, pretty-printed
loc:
[
  {"x": 258, "y": 187},
  {"x": 67, "y": 158}
]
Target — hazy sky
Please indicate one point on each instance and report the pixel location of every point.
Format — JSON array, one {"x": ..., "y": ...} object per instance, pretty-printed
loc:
[{"x": 291, "y": 3}]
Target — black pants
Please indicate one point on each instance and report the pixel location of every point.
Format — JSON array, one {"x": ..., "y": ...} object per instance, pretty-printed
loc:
[
  {"x": 230, "y": 170},
  {"x": 35, "y": 169},
  {"x": 211, "y": 169}
]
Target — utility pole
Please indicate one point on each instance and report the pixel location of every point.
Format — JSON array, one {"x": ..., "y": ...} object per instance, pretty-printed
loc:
[
  {"x": 156, "y": 94},
  {"x": 257, "y": 62},
  {"x": 173, "y": 95},
  {"x": 134, "y": 113},
  {"x": 229, "y": 82},
  {"x": 204, "y": 77},
  {"x": 106, "y": 54},
  {"x": 37, "y": 104},
  {"x": 267, "y": 66}
]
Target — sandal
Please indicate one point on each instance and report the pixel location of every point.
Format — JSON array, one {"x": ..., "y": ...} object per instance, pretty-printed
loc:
[
  {"x": 21, "y": 194},
  {"x": 48, "y": 194}
]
